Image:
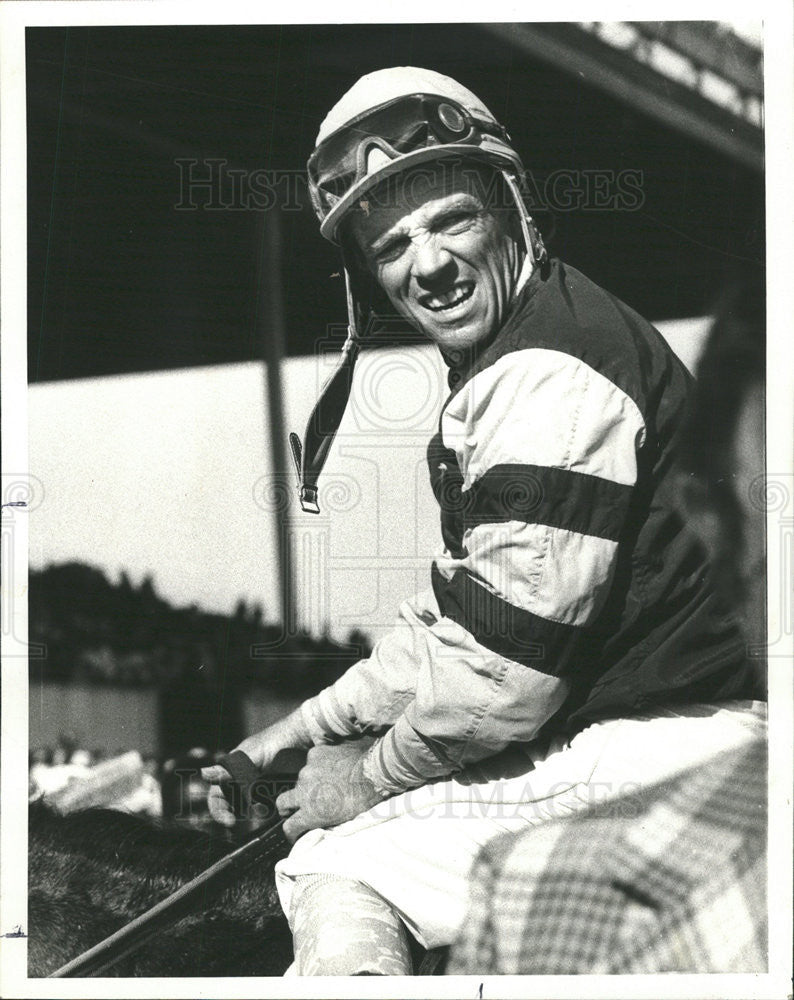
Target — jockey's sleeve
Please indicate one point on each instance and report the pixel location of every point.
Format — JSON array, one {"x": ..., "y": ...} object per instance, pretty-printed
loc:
[
  {"x": 373, "y": 693},
  {"x": 538, "y": 459}
]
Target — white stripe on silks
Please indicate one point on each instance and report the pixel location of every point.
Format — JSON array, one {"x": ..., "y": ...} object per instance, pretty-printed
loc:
[
  {"x": 542, "y": 407},
  {"x": 560, "y": 575}
]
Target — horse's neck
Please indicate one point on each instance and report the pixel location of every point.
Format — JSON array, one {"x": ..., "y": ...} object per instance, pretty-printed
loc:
[{"x": 89, "y": 873}]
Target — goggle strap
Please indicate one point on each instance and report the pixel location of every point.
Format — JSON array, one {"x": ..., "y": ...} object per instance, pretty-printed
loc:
[
  {"x": 535, "y": 248},
  {"x": 352, "y": 330},
  {"x": 522, "y": 214}
]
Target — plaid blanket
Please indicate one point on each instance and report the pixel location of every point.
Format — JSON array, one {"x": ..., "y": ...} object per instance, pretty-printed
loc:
[{"x": 671, "y": 879}]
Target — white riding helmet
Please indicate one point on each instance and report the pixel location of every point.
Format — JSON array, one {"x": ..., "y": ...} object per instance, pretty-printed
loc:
[{"x": 391, "y": 120}]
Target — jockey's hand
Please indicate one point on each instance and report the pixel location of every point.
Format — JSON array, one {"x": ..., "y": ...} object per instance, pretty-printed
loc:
[
  {"x": 331, "y": 788},
  {"x": 289, "y": 733}
]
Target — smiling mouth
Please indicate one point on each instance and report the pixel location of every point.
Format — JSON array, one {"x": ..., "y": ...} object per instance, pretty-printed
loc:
[{"x": 449, "y": 300}]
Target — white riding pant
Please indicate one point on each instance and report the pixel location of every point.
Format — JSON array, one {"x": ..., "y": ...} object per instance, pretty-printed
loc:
[{"x": 416, "y": 849}]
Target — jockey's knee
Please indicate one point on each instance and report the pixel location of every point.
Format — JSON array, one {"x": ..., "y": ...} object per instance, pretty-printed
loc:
[{"x": 343, "y": 928}]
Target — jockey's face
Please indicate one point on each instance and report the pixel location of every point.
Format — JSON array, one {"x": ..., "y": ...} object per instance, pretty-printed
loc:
[{"x": 448, "y": 262}]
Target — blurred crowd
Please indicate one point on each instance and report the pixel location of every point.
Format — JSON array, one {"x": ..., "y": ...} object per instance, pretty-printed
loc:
[{"x": 69, "y": 777}]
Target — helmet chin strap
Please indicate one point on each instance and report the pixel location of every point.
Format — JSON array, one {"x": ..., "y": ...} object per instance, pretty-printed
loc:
[{"x": 325, "y": 418}]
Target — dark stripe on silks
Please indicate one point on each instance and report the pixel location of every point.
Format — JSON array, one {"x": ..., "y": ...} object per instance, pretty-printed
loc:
[
  {"x": 447, "y": 484},
  {"x": 512, "y": 632},
  {"x": 539, "y": 494}
]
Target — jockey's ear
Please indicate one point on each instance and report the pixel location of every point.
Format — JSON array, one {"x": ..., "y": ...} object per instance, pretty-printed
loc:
[{"x": 367, "y": 292}]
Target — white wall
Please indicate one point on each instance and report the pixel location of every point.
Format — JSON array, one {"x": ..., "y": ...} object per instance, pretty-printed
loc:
[
  {"x": 166, "y": 473},
  {"x": 111, "y": 719}
]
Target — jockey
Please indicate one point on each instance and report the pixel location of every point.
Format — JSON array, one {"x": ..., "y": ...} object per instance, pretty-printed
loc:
[{"x": 569, "y": 648}]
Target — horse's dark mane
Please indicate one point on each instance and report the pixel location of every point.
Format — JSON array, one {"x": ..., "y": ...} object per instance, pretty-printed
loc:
[
  {"x": 103, "y": 836},
  {"x": 91, "y": 872}
]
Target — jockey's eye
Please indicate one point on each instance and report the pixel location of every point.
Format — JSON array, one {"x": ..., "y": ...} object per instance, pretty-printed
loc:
[
  {"x": 456, "y": 221},
  {"x": 391, "y": 250}
]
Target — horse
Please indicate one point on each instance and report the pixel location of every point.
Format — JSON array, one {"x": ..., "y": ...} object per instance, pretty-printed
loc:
[{"x": 91, "y": 872}]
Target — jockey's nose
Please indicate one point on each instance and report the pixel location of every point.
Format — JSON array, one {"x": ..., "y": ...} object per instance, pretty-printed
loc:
[{"x": 433, "y": 264}]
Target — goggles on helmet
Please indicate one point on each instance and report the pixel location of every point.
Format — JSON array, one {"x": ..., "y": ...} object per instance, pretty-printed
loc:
[{"x": 400, "y": 127}]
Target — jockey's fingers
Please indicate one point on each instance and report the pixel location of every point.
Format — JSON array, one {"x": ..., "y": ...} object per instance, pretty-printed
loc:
[
  {"x": 215, "y": 774},
  {"x": 294, "y": 827},
  {"x": 288, "y": 802},
  {"x": 219, "y": 808}
]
